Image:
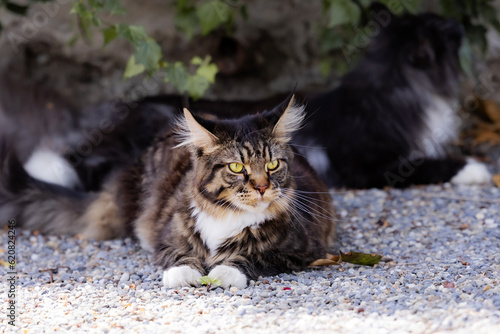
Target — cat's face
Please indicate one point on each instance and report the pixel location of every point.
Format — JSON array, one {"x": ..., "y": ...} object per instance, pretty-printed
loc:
[
  {"x": 248, "y": 175},
  {"x": 243, "y": 165}
]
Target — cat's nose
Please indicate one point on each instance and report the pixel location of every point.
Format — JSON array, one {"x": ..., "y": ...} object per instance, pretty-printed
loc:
[{"x": 261, "y": 188}]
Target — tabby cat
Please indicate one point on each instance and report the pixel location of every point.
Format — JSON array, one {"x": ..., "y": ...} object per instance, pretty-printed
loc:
[{"x": 224, "y": 198}]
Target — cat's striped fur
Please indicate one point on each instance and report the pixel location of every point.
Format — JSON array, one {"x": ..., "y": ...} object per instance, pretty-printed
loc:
[{"x": 184, "y": 203}]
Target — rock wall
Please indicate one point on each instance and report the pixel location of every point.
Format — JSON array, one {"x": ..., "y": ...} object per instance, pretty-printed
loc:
[{"x": 269, "y": 53}]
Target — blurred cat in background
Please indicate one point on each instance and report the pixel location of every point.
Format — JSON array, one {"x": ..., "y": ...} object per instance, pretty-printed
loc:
[{"x": 393, "y": 117}]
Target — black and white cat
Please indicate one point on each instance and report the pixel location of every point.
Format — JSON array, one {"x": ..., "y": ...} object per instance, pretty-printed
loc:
[{"x": 392, "y": 118}]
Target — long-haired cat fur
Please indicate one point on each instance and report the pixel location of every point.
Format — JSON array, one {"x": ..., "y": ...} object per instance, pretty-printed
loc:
[
  {"x": 227, "y": 198},
  {"x": 392, "y": 118}
]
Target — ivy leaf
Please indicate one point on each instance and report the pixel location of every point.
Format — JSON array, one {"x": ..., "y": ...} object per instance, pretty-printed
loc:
[
  {"x": 343, "y": 12},
  {"x": 186, "y": 21},
  {"x": 15, "y": 8},
  {"x": 135, "y": 34},
  {"x": 114, "y": 7},
  {"x": 148, "y": 53},
  {"x": 132, "y": 69},
  {"x": 361, "y": 258},
  {"x": 196, "y": 86},
  {"x": 205, "y": 69},
  {"x": 109, "y": 34},
  {"x": 211, "y": 14},
  {"x": 177, "y": 75}
]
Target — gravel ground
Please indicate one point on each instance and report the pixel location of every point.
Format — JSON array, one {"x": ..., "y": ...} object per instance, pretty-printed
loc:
[{"x": 440, "y": 274}]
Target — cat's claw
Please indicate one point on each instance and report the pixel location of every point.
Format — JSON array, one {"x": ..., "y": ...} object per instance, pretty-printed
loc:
[
  {"x": 229, "y": 276},
  {"x": 181, "y": 276},
  {"x": 473, "y": 172}
]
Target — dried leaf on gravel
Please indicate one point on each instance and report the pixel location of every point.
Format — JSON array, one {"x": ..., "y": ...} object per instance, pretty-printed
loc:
[
  {"x": 331, "y": 260},
  {"x": 496, "y": 180}
]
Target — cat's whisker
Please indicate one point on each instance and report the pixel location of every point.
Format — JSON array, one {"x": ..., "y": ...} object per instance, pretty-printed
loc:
[{"x": 314, "y": 213}]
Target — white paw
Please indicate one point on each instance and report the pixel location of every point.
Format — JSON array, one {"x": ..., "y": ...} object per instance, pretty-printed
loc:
[
  {"x": 229, "y": 276},
  {"x": 473, "y": 172},
  {"x": 177, "y": 277}
]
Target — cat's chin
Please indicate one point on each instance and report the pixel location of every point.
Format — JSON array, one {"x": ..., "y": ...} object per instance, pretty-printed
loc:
[{"x": 259, "y": 207}]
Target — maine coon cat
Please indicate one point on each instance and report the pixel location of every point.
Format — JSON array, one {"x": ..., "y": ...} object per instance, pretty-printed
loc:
[
  {"x": 227, "y": 198},
  {"x": 392, "y": 118}
]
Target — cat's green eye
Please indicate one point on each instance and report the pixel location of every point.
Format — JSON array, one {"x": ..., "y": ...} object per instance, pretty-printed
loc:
[
  {"x": 236, "y": 167},
  {"x": 272, "y": 165}
]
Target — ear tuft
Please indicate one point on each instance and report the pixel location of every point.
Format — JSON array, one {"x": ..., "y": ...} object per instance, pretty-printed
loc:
[
  {"x": 290, "y": 121},
  {"x": 194, "y": 134}
]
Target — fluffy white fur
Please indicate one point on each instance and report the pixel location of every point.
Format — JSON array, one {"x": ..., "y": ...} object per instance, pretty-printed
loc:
[
  {"x": 441, "y": 127},
  {"x": 229, "y": 276},
  {"x": 473, "y": 172},
  {"x": 48, "y": 166},
  {"x": 215, "y": 231},
  {"x": 291, "y": 120},
  {"x": 180, "y": 276}
]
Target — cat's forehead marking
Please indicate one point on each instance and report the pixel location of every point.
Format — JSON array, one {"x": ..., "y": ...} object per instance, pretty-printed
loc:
[{"x": 250, "y": 151}]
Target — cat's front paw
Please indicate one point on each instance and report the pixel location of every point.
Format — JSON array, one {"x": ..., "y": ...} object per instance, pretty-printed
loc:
[
  {"x": 473, "y": 172},
  {"x": 177, "y": 277},
  {"x": 229, "y": 276}
]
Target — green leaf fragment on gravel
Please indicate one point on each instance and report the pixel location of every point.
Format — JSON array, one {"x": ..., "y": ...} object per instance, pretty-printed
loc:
[
  {"x": 207, "y": 280},
  {"x": 361, "y": 258}
]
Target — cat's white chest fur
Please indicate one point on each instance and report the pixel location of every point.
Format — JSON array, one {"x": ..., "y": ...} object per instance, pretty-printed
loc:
[
  {"x": 441, "y": 125},
  {"x": 214, "y": 231}
]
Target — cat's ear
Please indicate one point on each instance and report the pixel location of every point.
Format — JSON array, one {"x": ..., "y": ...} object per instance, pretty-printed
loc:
[
  {"x": 290, "y": 120},
  {"x": 195, "y": 134}
]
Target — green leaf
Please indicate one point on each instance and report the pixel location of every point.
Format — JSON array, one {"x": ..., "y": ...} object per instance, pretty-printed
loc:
[
  {"x": 15, "y": 8},
  {"x": 212, "y": 14},
  {"x": 206, "y": 69},
  {"x": 207, "y": 280},
  {"x": 361, "y": 258},
  {"x": 187, "y": 22},
  {"x": 135, "y": 34},
  {"x": 72, "y": 41},
  {"x": 109, "y": 34},
  {"x": 343, "y": 12},
  {"x": 148, "y": 53},
  {"x": 132, "y": 69},
  {"x": 177, "y": 75},
  {"x": 196, "y": 86},
  {"x": 114, "y": 7},
  {"x": 96, "y": 21}
]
